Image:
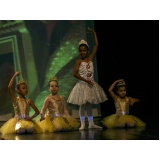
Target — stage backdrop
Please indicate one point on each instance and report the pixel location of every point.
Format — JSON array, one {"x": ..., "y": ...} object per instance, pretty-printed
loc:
[{"x": 41, "y": 49}]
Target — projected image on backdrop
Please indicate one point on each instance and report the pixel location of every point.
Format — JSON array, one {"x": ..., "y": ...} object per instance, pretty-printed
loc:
[{"x": 41, "y": 49}]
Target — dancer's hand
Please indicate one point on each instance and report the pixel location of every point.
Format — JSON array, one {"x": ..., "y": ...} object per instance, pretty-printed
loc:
[
  {"x": 41, "y": 119},
  {"x": 91, "y": 30},
  {"x": 120, "y": 80},
  {"x": 90, "y": 82},
  {"x": 17, "y": 73}
]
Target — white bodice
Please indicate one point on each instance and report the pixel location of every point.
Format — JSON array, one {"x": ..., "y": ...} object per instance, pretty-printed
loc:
[{"x": 86, "y": 70}]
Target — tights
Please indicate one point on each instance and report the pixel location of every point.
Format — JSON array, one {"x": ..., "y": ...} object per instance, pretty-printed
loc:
[{"x": 88, "y": 108}]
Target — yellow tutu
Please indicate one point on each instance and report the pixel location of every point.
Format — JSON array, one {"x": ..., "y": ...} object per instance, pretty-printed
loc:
[
  {"x": 65, "y": 123},
  {"x": 138, "y": 122},
  {"x": 59, "y": 123},
  {"x": 46, "y": 125},
  {"x": 113, "y": 121},
  {"x": 10, "y": 126},
  {"x": 73, "y": 122},
  {"x": 110, "y": 121},
  {"x": 37, "y": 128}
]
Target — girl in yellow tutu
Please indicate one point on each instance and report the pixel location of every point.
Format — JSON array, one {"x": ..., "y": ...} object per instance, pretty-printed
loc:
[
  {"x": 121, "y": 118},
  {"x": 22, "y": 122},
  {"x": 57, "y": 118}
]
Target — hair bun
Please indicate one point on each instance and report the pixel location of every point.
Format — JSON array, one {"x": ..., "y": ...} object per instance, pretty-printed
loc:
[{"x": 53, "y": 79}]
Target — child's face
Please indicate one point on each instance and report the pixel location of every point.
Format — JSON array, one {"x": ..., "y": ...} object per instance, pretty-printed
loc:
[
  {"x": 122, "y": 91},
  {"x": 53, "y": 87},
  {"x": 83, "y": 51},
  {"x": 22, "y": 90}
]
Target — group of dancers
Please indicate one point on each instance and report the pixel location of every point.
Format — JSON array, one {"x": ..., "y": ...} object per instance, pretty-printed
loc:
[{"x": 85, "y": 93}]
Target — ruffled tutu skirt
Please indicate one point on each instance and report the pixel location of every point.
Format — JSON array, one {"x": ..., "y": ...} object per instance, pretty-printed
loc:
[
  {"x": 84, "y": 92},
  {"x": 114, "y": 121},
  {"x": 10, "y": 126},
  {"x": 59, "y": 123}
]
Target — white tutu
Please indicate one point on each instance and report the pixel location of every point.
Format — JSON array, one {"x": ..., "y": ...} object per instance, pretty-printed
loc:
[{"x": 84, "y": 92}]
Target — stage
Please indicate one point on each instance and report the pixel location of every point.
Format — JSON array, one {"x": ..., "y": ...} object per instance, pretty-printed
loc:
[{"x": 150, "y": 132}]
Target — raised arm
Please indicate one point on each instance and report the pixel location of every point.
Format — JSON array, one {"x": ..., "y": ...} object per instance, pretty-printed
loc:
[
  {"x": 11, "y": 92},
  {"x": 43, "y": 110},
  {"x": 76, "y": 74},
  {"x": 94, "y": 51},
  {"x": 110, "y": 90}
]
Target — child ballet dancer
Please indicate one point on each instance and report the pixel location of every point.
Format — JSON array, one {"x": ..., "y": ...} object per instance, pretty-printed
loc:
[
  {"x": 121, "y": 118},
  {"x": 86, "y": 91},
  {"x": 57, "y": 118},
  {"x": 22, "y": 122}
]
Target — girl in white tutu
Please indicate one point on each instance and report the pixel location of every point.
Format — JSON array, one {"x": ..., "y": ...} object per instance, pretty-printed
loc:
[
  {"x": 86, "y": 91},
  {"x": 121, "y": 118},
  {"x": 57, "y": 118},
  {"x": 22, "y": 122}
]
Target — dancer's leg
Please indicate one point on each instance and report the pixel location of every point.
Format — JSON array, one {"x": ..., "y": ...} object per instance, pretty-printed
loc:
[
  {"x": 90, "y": 117},
  {"x": 82, "y": 116}
]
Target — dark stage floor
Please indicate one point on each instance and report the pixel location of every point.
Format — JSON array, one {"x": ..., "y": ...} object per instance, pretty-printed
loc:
[{"x": 150, "y": 132}]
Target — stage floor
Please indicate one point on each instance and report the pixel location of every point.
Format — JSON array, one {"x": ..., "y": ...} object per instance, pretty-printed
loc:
[{"x": 150, "y": 132}]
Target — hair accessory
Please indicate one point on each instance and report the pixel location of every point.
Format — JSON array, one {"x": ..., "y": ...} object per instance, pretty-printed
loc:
[
  {"x": 83, "y": 42},
  {"x": 21, "y": 81},
  {"x": 53, "y": 79},
  {"x": 121, "y": 83}
]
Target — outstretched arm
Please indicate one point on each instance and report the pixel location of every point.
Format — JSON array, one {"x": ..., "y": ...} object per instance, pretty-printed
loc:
[
  {"x": 76, "y": 74},
  {"x": 43, "y": 110},
  {"x": 11, "y": 92},
  {"x": 110, "y": 90},
  {"x": 94, "y": 51},
  {"x": 132, "y": 100},
  {"x": 35, "y": 109}
]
